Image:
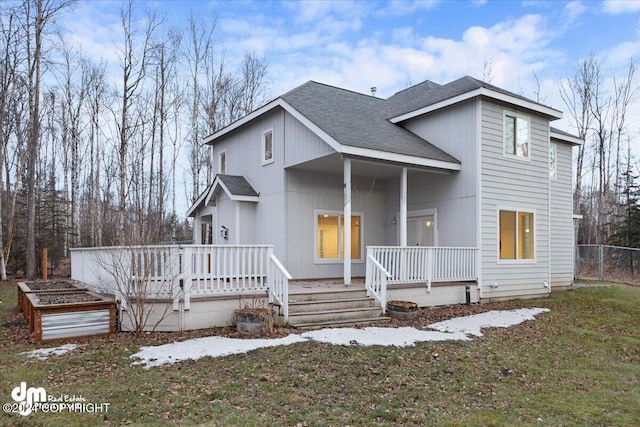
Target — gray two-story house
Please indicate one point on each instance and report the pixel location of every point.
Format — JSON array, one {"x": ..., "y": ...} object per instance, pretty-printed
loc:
[{"x": 339, "y": 182}]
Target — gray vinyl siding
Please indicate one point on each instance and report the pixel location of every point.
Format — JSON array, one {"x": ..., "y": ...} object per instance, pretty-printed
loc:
[
  {"x": 262, "y": 222},
  {"x": 309, "y": 191},
  {"x": 562, "y": 218},
  {"x": 302, "y": 144},
  {"x": 508, "y": 182},
  {"x": 454, "y": 195}
]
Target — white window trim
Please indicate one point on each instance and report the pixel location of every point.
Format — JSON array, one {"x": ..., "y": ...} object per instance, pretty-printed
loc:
[
  {"x": 226, "y": 158},
  {"x": 263, "y": 147},
  {"x": 316, "y": 259},
  {"x": 504, "y": 135},
  {"x": 535, "y": 235},
  {"x": 553, "y": 176}
]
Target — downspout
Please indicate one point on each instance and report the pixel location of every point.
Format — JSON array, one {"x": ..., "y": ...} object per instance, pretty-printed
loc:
[
  {"x": 479, "y": 197},
  {"x": 547, "y": 284}
]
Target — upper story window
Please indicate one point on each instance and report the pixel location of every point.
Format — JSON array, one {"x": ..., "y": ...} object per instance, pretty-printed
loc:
[
  {"x": 267, "y": 146},
  {"x": 222, "y": 162},
  {"x": 516, "y": 135},
  {"x": 553, "y": 166}
]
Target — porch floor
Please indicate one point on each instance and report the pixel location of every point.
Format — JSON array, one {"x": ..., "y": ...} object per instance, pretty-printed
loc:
[
  {"x": 324, "y": 285},
  {"x": 303, "y": 286}
]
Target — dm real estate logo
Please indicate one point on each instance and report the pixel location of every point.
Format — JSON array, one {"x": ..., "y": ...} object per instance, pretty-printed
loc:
[
  {"x": 27, "y": 398},
  {"x": 35, "y": 399}
]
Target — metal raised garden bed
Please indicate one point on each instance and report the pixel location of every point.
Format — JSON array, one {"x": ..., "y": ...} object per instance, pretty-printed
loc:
[{"x": 57, "y": 312}]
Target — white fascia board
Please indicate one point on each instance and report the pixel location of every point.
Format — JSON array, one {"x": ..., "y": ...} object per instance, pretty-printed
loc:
[
  {"x": 198, "y": 202},
  {"x": 235, "y": 125},
  {"x": 212, "y": 191},
  {"x": 400, "y": 158},
  {"x": 566, "y": 138},
  {"x": 245, "y": 198},
  {"x": 270, "y": 106},
  {"x": 555, "y": 114}
]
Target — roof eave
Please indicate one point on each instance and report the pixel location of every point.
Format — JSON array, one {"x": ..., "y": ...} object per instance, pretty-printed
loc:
[
  {"x": 400, "y": 158},
  {"x": 573, "y": 140},
  {"x": 202, "y": 197},
  {"x": 552, "y": 113},
  {"x": 241, "y": 122}
]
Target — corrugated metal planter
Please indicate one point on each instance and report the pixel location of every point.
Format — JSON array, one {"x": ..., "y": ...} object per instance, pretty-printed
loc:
[{"x": 68, "y": 313}]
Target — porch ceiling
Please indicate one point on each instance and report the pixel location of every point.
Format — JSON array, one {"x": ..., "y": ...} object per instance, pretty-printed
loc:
[{"x": 368, "y": 168}]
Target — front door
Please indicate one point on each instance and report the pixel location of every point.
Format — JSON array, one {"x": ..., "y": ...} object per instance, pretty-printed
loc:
[{"x": 421, "y": 230}]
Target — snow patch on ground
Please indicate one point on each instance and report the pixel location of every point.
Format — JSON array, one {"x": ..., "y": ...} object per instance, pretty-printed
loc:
[
  {"x": 207, "y": 346},
  {"x": 471, "y": 325},
  {"x": 399, "y": 337},
  {"x": 454, "y": 329},
  {"x": 45, "y": 353}
]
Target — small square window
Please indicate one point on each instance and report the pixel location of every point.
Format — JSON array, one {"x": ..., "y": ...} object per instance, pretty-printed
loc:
[
  {"x": 516, "y": 135},
  {"x": 267, "y": 147}
]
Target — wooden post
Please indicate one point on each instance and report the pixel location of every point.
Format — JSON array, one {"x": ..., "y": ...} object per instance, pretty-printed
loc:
[{"x": 45, "y": 264}]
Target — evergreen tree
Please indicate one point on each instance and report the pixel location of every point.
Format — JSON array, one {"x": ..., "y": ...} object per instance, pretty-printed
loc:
[{"x": 626, "y": 225}]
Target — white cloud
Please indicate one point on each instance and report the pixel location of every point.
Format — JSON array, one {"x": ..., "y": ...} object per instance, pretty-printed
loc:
[
  {"x": 404, "y": 7},
  {"x": 617, "y": 7},
  {"x": 572, "y": 11}
]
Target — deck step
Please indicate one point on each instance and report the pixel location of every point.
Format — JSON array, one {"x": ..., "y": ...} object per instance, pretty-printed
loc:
[
  {"x": 333, "y": 315},
  {"x": 330, "y": 304},
  {"x": 341, "y": 323},
  {"x": 332, "y": 307},
  {"x": 327, "y": 295}
]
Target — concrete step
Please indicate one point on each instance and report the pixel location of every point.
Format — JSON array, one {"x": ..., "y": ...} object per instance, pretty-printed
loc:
[{"x": 335, "y": 304}]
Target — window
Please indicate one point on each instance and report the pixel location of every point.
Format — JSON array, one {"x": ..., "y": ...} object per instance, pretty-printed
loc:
[
  {"x": 330, "y": 236},
  {"x": 553, "y": 171},
  {"x": 222, "y": 162},
  {"x": 516, "y": 135},
  {"x": 516, "y": 235},
  {"x": 267, "y": 147}
]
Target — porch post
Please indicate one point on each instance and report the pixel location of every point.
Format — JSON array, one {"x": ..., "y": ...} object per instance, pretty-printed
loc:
[
  {"x": 346, "y": 247},
  {"x": 403, "y": 208}
]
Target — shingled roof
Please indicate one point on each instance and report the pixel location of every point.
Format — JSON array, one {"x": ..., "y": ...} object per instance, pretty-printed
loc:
[
  {"x": 235, "y": 186},
  {"x": 358, "y": 120},
  {"x": 428, "y": 93},
  {"x": 363, "y": 125}
]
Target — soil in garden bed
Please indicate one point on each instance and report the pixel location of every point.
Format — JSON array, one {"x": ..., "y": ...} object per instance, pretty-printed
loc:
[
  {"x": 66, "y": 298},
  {"x": 53, "y": 286}
]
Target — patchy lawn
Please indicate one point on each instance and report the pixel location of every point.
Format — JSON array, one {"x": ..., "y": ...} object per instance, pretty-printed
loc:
[{"x": 577, "y": 364}]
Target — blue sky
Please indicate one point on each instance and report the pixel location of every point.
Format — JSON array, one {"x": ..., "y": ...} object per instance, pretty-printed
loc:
[{"x": 391, "y": 45}]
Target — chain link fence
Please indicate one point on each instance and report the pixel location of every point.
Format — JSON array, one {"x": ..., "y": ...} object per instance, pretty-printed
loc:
[{"x": 612, "y": 263}]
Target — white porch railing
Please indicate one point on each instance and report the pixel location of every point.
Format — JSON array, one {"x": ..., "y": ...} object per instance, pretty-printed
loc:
[
  {"x": 376, "y": 281},
  {"x": 411, "y": 264},
  {"x": 180, "y": 272}
]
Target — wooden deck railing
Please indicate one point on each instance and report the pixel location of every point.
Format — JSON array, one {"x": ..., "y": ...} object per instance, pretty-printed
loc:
[
  {"x": 181, "y": 272},
  {"x": 412, "y": 264}
]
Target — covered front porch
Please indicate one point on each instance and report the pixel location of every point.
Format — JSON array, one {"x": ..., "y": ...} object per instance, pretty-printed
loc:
[{"x": 182, "y": 287}]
